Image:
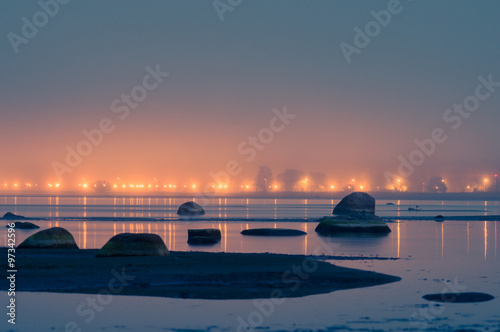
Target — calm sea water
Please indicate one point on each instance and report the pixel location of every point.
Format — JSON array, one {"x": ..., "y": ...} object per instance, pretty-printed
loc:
[{"x": 432, "y": 256}]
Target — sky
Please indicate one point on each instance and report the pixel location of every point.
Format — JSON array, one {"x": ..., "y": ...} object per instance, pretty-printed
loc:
[{"x": 233, "y": 66}]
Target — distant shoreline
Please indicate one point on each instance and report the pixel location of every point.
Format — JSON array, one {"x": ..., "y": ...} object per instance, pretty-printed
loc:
[{"x": 379, "y": 195}]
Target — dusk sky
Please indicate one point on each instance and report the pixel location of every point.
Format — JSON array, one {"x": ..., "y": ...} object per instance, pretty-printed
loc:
[{"x": 226, "y": 77}]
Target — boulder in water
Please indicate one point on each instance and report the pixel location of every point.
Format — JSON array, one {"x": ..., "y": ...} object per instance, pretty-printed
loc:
[
  {"x": 273, "y": 232},
  {"x": 24, "y": 225},
  {"x": 52, "y": 238},
  {"x": 12, "y": 216},
  {"x": 352, "y": 223},
  {"x": 131, "y": 244},
  {"x": 204, "y": 236},
  {"x": 190, "y": 209},
  {"x": 357, "y": 202}
]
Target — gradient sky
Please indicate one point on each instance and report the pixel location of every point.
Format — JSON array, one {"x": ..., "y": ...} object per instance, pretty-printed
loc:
[{"x": 353, "y": 120}]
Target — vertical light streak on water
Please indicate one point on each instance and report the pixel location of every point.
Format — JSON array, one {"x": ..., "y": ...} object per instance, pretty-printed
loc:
[
  {"x": 84, "y": 235},
  {"x": 149, "y": 227},
  {"x": 485, "y": 239},
  {"x": 399, "y": 238},
  {"x": 220, "y": 208},
  {"x": 275, "y": 209},
  {"x": 85, "y": 206},
  {"x": 114, "y": 229},
  {"x": 225, "y": 208},
  {"x": 305, "y": 208},
  {"x": 57, "y": 208},
  {"x": 399, "y": 209},
  {"x": 123, "y": 227},
  {"x": 95, "y": 235},
  {"x": 114, "y": 207},
  {"x": 174, "y": 236},
  {"x": 79, "y": 233},
  {"x": 225, "y": 237},
  {"x": 248, "y": 211},
  {"x": 169, "y": 236},
  {"x": 496, "y": 239}
]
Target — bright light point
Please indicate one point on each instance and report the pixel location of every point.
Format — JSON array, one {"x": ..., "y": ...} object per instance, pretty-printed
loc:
[
  {"x": 399, "y": 180},
  {"x": 332, "y": 187},
  {"x": 225, "y": 186},
  {"x": 220, "y": 186},
  {"x": 85, "y": 186},
  {"x": 194, "y": 186},
  {"x": 124, "y": 186},
  {"x": 57, "y": 184},
  {"x": 170, "y": 186},
  {"x": 15, "y": 185},
  {"x": 115, "y": 186},
  {"x": 248, "y": 187},
  {"x": 149, "y": 186},
  {"x": 360, "y": 187},
  {"x": 352, "y": 180},
  {"x": 275, "y": 187}
]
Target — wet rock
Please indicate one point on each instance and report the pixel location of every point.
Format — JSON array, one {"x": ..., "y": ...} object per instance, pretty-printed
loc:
[
  {"x": 439, "y": 217},
  {"x": 459, "y": 297},
  {"x": 204, "y": 236},
  {"x": 391, "y": 204},
  {"x": 52, "y": 238},
  {"x": 12, "y": 216},
  {"x": 24, "y": 225},
  {"x": 357, "y": 202},
  {"x": 352, "y": 223},
  {"x": 190, "y": 209},
  {"x": 129, "y": 244},
  {"x": 273, "y": 232}
]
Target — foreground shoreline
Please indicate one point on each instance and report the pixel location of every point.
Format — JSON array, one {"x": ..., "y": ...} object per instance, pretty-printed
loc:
[{"x": 195, "y": 275}]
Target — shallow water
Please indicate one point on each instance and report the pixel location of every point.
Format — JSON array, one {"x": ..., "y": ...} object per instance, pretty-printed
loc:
[{"x": 430, "y": 253}]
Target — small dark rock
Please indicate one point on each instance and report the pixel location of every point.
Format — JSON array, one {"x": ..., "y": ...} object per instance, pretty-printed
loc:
[
  {"x": 12, "y": 216},
  {"x": 204, "y": 236},
  {"x": 273, "y": 232},
  {"x": 24, "y": 225},
  {"x": 390, "y": 204},
  {"x": 459, "y": 297}
]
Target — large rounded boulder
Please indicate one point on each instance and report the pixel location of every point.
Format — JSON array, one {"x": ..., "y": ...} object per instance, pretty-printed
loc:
[
  {"x": 190, "y": 209},
  {"x": 204, "y": 236},
  {"x": 352, "y": 223},
  {"x": 357, "y": 202},
  {"x": 131, "y": 244},
  {"x": 52, "y": 238}
]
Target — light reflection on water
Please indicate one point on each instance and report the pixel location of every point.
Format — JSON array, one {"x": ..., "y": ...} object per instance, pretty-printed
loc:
[{"x": 224, "y": 208}]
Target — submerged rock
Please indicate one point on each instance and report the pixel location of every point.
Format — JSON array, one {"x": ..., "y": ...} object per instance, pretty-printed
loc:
[
  {"x": 52, "y": 238},
  {"x": 352, "y": 223},
  {"x": 273, "y": 232},
  {"x": 439, "y": 217},
  {"x": 190, "y": 209},
  {"x": 391, "y": 204},
  {"x": 129, "y": 244},
  {"x": 12, "y": 216},
  {"x": 204, "y": 236},
  {"x": 357, "y": 202},
  {"x": 459, "y": 297},
  {"x": 24, "y": 225}
]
